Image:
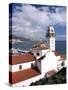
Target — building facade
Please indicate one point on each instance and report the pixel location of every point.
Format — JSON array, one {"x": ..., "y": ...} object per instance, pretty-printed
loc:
[{"x": 42, "y": 60}]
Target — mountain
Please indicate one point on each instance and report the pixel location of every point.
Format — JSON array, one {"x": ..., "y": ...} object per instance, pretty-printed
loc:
[{"x": 17, "y": 38}]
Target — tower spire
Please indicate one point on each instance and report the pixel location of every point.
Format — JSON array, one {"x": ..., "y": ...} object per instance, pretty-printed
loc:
[{"x": 51, "y": 38}]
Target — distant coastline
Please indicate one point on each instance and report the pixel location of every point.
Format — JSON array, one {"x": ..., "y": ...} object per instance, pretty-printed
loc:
[{"x": 26, "y": 45}]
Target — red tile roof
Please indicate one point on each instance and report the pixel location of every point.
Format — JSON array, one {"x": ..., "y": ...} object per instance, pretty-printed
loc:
[
  {"x": 16, "y": 77},
  {"x": 40, "y": 46},
  {"x": 21, "y": 58}
]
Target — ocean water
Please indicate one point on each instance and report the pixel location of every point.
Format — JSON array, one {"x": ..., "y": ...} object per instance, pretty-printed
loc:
[
  {"x": 61, "y": 47},
  {"x": 26, "y": 45}
]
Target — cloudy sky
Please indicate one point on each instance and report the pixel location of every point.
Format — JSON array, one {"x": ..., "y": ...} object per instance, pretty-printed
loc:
[{"x": 32, "y": 21}]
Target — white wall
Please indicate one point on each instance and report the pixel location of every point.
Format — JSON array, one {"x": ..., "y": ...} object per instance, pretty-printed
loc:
[
  {"x": 14, "y": 68},
  {"x": 52, "y": 43},
  {"x": 58, "y": 57},
  {"x": 38, "y": 64},
  {"x": 44, "y": 51},
  {"x": 49, "y": 62}
]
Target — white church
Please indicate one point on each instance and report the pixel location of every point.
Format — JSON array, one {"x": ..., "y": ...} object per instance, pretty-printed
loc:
[{"x": 41, "y": 61}]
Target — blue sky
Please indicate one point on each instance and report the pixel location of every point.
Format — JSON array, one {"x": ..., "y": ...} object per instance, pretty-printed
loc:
[{"x": 32, "y": 21}]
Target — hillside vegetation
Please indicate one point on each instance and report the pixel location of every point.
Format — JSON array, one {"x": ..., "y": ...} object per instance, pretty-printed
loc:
[{"x": 59, "y": 78}]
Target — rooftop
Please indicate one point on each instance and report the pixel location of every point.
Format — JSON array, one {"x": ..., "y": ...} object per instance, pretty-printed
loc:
[
  {"x": 39, "y": 48},
  {"x": 16, "y": 77},
  {"x": 21, "y": 58}
]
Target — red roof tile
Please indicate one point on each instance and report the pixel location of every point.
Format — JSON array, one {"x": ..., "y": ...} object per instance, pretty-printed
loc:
[
  {"x": 16, "y": 77},
  {"x": 22, "y": 58}
]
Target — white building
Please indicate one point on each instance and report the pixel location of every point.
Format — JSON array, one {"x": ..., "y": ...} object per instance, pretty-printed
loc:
[{"x": 42, "y": 60}]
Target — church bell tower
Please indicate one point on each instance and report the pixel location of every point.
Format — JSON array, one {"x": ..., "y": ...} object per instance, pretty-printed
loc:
[{"x": 51, "y": 38}]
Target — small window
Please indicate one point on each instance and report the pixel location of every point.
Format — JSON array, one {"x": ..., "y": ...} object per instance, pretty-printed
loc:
[
  {"x": 38, "y": 54},
  {"x": 20, "y": 67}
]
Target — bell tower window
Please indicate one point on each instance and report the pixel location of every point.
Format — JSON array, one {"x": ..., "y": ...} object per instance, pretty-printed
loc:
[{"x": 51, "y": 30}]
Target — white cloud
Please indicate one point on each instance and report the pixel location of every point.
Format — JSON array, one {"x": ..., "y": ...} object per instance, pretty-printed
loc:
[{"x": 31, "y": 22}]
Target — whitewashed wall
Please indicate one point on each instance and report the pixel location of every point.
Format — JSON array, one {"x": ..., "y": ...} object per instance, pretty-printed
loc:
[
  {"x": 52, "y": 43},
  {"x": 14, "y": 68},
  {"x": 58, "y": 57},
  {"x": 45, "y": 51},
  {"x": 49, "y": 62}
]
